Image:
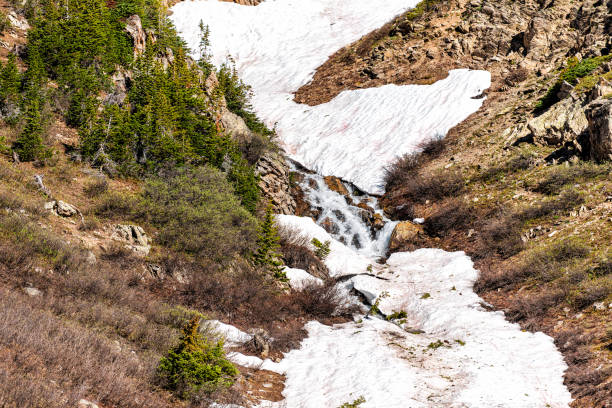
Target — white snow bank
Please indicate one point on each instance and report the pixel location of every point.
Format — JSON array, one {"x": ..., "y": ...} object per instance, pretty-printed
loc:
[
  {"x": 233, "y": 336},
  {"x": 481, "y": 360},
  {"x": 277, "y": 47},
  {"x": 299, "y": 278}
]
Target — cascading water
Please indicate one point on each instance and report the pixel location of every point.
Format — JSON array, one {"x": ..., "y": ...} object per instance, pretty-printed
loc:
[
  {"x": 448, "y": 351},
  {"x": 353, "y": 218}
]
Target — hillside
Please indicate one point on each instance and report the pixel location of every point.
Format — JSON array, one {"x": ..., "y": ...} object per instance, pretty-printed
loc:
[
  {"x": 524, "y": 184},
  {"x": 304, "y": 204}
]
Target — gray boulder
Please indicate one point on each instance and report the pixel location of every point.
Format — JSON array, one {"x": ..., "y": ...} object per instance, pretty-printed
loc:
[
  {"x": 563, "y": 122},
  {"x": 599, "y": 116}
]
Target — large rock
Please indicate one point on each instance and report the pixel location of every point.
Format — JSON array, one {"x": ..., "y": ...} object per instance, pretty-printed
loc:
[
  {"x": 63, "y": 209},
  {"x": 599, "y": 115},
  {"x": 133, "y": 26},
  {"x": 274, "y": 182},
  {"x": 562, "y": 123},
  {"x": 335, "y": 184},
  {"x": 133, "y": 235},
  {"x": 404, "y": 234},
  {"x": 235, "y": 126}
]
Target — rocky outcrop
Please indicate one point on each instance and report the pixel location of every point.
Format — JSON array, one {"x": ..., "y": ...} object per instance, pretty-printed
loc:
[
  {"x": 405, "y": 234},
  {"x": 562, "y": 123},
  {"x": 133, "y": 235},
  {"x": 335, "y": 184},
  {"x": 133, "y": 27},
  {"x": 61, "y": 208},
  {"x": 599, "y": 115},
  {"x": 274, "y": 182}
]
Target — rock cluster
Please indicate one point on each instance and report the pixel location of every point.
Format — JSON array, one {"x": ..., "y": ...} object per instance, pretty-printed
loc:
[
  {"x": 133, "y": 235},
  {"x": 274, "y": 182}
]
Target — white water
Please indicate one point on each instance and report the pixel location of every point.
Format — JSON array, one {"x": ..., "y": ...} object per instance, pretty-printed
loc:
[{"x": 482, "y": 360}]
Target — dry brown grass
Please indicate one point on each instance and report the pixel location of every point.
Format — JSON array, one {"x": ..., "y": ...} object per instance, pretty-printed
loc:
[{"x": 63, "y": 363}]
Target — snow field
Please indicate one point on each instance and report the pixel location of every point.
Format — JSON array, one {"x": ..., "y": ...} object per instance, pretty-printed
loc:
[{"x": 277, "y": 47}]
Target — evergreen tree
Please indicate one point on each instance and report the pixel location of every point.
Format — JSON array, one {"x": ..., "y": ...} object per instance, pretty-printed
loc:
[
  {"x": 10, "y": 80},
  {"x": 196, "y": 364},
  {"x": 29, "y": 145},
  {"x": 267, "y": 245}
]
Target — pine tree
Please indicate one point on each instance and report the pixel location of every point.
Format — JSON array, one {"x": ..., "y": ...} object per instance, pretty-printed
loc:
[
  {"x": 205, "y": 60},
  {"x": 195, "y": 364},
  {"x": 29, "y": 145},
  {"x": 9, "y": 79},
  {"x": 267, "y": 245}
]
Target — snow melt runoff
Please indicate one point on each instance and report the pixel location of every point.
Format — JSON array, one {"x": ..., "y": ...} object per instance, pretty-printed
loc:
[{"x": 449, "y": 351}]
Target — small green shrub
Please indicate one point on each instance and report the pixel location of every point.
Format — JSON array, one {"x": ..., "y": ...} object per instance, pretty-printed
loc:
[
  {"x": 356, "y": 403},
  {"x": 96, "y": 188},
  {"x": 437, "y": 344},
  {"x": 571, "y": 74},
  {"x": 196, "y": 212},
  {"x": 321, "y": 248},
  {"x": 397, "y": 315},
  {"x": 420, "y": 9},
  {"x": 195, "y": 365}
]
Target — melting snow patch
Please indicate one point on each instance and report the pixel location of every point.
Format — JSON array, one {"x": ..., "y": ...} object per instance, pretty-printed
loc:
[
  {"x": 299, "y": 278},
  {"x": 277, "y": 47},
  {"x": 232, "y": 335}
]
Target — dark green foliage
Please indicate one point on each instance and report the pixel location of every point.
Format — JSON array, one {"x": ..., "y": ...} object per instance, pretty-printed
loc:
[
  {"x": 196, "y": 365},
  {"x": 571, "y": 74},
  {"x": 205, "y": 60},
  {"x": 237, "y": 94},
  {"x": 196, "y": 212},
  {"x": 267, "y": 246},
  {"x": 167, "y": 118},
  {"x": 10, "y": 80},
  {"x": 29, "y": 145}
]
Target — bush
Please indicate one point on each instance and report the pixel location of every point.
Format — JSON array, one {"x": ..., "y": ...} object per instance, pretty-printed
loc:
[
  {"x": 502, "y": 236},
  {"x": 591, "y": 291},
  {"x": 267, "y": 245},
  {"x": 571, "y": 74},
  {"x": 563, "y": 203},
  {"x": 407, "y": 166},
  {"x": 455, "y": 215},
  {"x": 541, "y": 265},
  {"x": 196, "y": 365},
  {"x": 319, "y": 301},
  {"x": 559, "y": 177},
  {"x": 534, "y": 305},
  {"x": 321, "y": 248},
  {"x": 96, "y": 188},
  {"x": 196, "y": 212},
  {"x": 430, "y": 186},
  {"x": 296, "y": 252}
]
